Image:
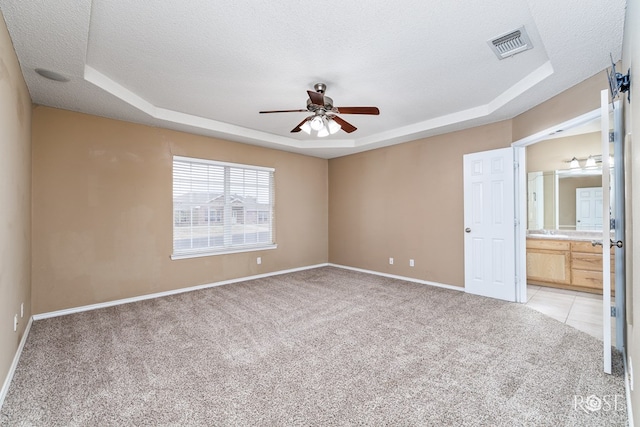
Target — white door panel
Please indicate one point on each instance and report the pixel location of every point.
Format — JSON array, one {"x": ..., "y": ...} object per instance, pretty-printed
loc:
[
  {"x": 606, "y": 264},
  {"x": 489, "y": 224},
  {"x": 588, "y": 208},
  {"x": 613, "y": 222}
]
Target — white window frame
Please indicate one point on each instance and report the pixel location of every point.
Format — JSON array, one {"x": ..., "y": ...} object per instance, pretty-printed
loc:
[{"x": 228, "y": 246}]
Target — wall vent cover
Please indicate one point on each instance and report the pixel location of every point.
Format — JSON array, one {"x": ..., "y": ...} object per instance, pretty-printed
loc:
[{"x": 508, "y": 44}]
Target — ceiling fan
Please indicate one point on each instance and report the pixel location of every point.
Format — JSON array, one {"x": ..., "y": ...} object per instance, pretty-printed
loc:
[{"x": 324, "y": 119}]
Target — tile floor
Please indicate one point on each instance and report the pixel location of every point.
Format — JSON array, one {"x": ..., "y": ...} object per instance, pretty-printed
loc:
[{"x": 578, "y": 309}]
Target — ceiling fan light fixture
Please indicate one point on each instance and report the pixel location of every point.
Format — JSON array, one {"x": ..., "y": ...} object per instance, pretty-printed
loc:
[
  {"x": 323, "y": 132},
  {"x": 306, "y": 127},
  {"x": 317, "y": 123},
  {"x": 333, "y": 126}
]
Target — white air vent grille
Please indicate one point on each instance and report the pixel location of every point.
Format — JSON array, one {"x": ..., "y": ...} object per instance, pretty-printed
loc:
[{"x": 510, "y": 43}]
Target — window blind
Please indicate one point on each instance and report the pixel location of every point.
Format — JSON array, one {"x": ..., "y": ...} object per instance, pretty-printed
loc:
[{"x": 221, "y": 207}]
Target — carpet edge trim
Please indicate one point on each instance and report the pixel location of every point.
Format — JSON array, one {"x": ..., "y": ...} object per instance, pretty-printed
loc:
[
  {"x": 112, "y": 303},
  {"x": 14, "y": 363},
  {"x": 395, "y": 276}
]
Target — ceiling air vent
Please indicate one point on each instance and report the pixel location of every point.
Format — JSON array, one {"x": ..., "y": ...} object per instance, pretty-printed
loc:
[{"x": 510, "y": 43}]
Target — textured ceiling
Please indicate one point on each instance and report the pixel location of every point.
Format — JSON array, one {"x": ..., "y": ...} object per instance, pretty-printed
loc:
[{"x": 209, "y": 67}]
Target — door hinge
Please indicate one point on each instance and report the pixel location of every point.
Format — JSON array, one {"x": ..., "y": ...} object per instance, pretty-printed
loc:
[
  {"x": 612, "y": 136},
  {"x": 613, "y": 312},
  {"x": 516, "y": 165}
]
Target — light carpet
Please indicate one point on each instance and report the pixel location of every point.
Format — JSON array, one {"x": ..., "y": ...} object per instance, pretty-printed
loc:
[{"x": 320, "y": 347}]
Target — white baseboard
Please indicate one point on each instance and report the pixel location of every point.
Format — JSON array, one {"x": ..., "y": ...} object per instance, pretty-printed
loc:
[
  {"x": 406, "y": 279},
  {"x": 166, "y": 293},
  {"x": 627, "y": 387},
  {"x": 16, "y": 358}
]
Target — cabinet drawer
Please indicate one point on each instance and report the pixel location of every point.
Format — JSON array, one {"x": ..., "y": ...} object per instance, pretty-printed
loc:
[
  {"x": 586, "y": 247},
  {"x": 589, "y": 279},
  {"x": 592, "y": 262},
  {"x": 553, "y": 245},
  {"x": 585, "y": 261}
]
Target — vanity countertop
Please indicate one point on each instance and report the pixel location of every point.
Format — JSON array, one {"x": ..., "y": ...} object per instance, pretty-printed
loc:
[{"x": 585, "y": 236}]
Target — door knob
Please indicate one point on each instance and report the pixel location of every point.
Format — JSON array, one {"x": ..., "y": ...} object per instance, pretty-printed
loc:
[
  {"x": 617, "y": 244},
  {"x": 467, "y": 230}
]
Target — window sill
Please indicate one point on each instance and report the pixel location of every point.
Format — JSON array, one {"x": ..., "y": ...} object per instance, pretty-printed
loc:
[{"x": 223, "y": 252}]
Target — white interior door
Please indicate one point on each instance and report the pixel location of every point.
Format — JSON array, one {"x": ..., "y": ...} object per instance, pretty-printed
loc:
[
  {"x": 606, "y": 233},
  {"x": 588, "y": 208},
  {"x": 612, "y": 226},
  {"x": 489, "y": 215},
  {"x": 618, "y": 222}
]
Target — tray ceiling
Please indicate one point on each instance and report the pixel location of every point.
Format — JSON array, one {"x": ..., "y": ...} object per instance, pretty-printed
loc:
[{"x": 209, "y": 67}]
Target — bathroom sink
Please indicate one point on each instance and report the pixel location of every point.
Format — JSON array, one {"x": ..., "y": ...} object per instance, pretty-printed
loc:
[{"x": 548, "y": 236}]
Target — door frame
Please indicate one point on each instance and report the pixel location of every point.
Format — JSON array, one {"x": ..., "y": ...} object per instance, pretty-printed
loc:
[
  {"x": 520, "y": 188},
  {"x": 521, "y": 193}
]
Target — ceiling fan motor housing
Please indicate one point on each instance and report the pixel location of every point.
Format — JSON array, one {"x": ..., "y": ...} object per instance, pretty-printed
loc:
[
  {"x": 320, "y": 87},
  {"x": 328, "y": 105}
]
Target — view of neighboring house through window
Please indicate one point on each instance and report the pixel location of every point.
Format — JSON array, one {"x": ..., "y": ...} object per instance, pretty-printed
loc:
[{"x": 221, "y": 207}]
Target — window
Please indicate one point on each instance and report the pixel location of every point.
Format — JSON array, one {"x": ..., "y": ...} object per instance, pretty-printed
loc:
[{"x": 221, "y": 207}]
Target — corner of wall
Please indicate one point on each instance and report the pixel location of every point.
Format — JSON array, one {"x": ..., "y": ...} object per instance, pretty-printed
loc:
[{"x": 15, "y": 199}]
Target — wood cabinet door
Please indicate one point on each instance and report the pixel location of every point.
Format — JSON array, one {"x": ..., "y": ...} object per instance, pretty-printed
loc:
[{"x": 549, "y": 266}]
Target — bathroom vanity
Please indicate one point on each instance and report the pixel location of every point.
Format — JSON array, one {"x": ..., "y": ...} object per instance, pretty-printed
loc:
[{"x": 567, "y": 261}]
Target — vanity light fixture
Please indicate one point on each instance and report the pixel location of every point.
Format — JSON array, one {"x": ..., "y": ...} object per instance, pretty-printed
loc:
[
  {"x": 590, "y": 162},
  {"x": 574, "y": 164}
]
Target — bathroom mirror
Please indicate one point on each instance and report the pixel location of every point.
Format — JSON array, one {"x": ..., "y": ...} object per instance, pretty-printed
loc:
[
  {"x": 565, "y": 200},
  {"x": 562, "y": 195}
]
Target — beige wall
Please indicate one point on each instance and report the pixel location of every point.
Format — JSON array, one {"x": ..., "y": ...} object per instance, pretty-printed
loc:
[
  {"x": 405, "y": 202},
  {"x": 553, "y": 154},
  {"x": 631, "y": 59},
  {"x": 577, "y": 100},
  {"x": 15, "y": 201},
  {"x": 102, "y": 210}
]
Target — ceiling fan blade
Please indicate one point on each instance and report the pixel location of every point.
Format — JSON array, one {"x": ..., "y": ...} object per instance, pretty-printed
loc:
[
  {"x": 283, "y": 111},
  {"x": 316, "y": 98},
  {"x": 297, "y": 128},
  {"x": 346, "y": 126},
  {"x": 358, "y": 110}
]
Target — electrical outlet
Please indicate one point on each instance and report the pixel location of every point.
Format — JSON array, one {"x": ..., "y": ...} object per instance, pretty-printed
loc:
[
  {"x": 259, "y": 260},
  {"x": 411, "y": 263},
  {"x": 21, "y": 310},
  {"x": 15, "y": 323},
  {"x": 391, "y": 261}
]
